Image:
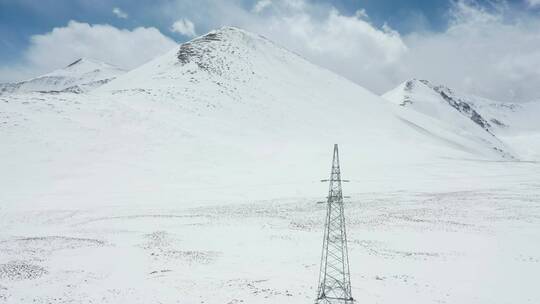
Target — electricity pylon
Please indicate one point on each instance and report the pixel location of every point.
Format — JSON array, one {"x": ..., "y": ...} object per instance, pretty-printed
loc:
[{"x": 334, "y": 275}]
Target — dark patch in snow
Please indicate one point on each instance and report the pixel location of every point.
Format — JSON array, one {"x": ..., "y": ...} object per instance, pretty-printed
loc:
[
  {"x": 190, "y": 50},
  {"x": 20, "y": 270},
  {"x": 193, "y": 256},
  {"x": 198, "y": 51},
  {"x": 409, "y": 85},
  {"x": 464, "y": 108},
  {"x": 162, "y": 246},
  {"x": 72, "y": 241},
  {"x": 455, "y": 102},
  {"x": 222, "y": 53},
  {"x": 40, "y": 247},
  {"x": 74, "y": 62},
  {"x": 3, "y": 293},
  {"x": 9, "y": 87},
  {"x": 160, "y": 271},
  {"x": 83, "y": 88},
  {"x": 498, "y": 123}
]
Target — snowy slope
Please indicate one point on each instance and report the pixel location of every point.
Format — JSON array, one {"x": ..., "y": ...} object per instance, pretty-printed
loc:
[
  {"x": 517, "y": 124},
  {"x": 231, "y": 72},
  {"x": 229, "y": 110},
  {"x": 493, "y": 122},
  {"x": 80, "y": 76}
]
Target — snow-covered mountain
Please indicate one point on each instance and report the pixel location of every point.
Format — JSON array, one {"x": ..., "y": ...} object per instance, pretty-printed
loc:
[
  {"x": 496, "y": 123},
  {"x": 236, "y": 77},
  {"x": 433, "y": 100},
  {"x": 226, "y": 109},
  {"x": 79, "y": 76}
]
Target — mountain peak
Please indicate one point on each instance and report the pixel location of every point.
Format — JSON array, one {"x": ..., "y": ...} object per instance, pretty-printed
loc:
[
  {"x": 415, "y": 84},
  {"x": 231, "y": 32},
  {"x": 227, "y": 33},
  {"x": 86, "y": 60},
  {"x": 227, "y": 51},
  {"x": 418, "y": 81},
  {"x": 231, "y": 29},
  {"x": 88, "y": 64},
  {"x": 402, "y": 94}
]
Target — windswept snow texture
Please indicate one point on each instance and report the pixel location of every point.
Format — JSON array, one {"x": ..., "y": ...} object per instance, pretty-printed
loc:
[
  {"x": 80, "y": 76},
  {"x": 193, "y": 179}
]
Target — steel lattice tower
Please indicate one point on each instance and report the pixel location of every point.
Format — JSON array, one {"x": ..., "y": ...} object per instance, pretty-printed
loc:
[{"x": 334, "y": 276}]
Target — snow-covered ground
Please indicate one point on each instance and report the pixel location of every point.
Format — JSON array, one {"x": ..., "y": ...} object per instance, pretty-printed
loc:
[
  {"x": 194, "y": 177},
  {"x": 478, "y": 246}
]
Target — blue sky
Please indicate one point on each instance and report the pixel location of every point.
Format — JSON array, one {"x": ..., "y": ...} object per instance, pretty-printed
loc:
[
  {"x": 387, "y": 31},
  {"x": 19, "y": 19}
]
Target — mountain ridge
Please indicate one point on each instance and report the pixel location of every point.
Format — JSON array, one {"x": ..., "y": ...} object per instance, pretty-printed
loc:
[
  {"x": 80, "y": 76},
  {"x": 502, "y": 121}
]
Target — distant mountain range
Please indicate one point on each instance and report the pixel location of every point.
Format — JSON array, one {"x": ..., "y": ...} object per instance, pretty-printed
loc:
[{"x": 80, "y": 76}]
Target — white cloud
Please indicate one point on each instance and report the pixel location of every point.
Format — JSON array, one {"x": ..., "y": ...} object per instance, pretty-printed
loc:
[
  {"x": 62, "y": 45},
  {"x": 362, "y": 14},
  {"x": 486, "y": 53},
  {"x": 120, "y": 13},
  {"x": 494, "y": 53},
  {"x": 261, "y": 5},
  {"x": 184, "y": 27},
  {"x": 533, "y": 3},
  {"x": 349, "y": 45}
]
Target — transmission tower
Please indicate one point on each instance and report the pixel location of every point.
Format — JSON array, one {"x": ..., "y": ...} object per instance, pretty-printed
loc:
[{"x": 334, "y": 275}]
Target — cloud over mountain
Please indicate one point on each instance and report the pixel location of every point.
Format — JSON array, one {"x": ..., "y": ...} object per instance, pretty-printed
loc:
[
  {"x": 62, "y": 45},
  {"x": 491, "y": 51},
  {"x": 184, "y": 27}
]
